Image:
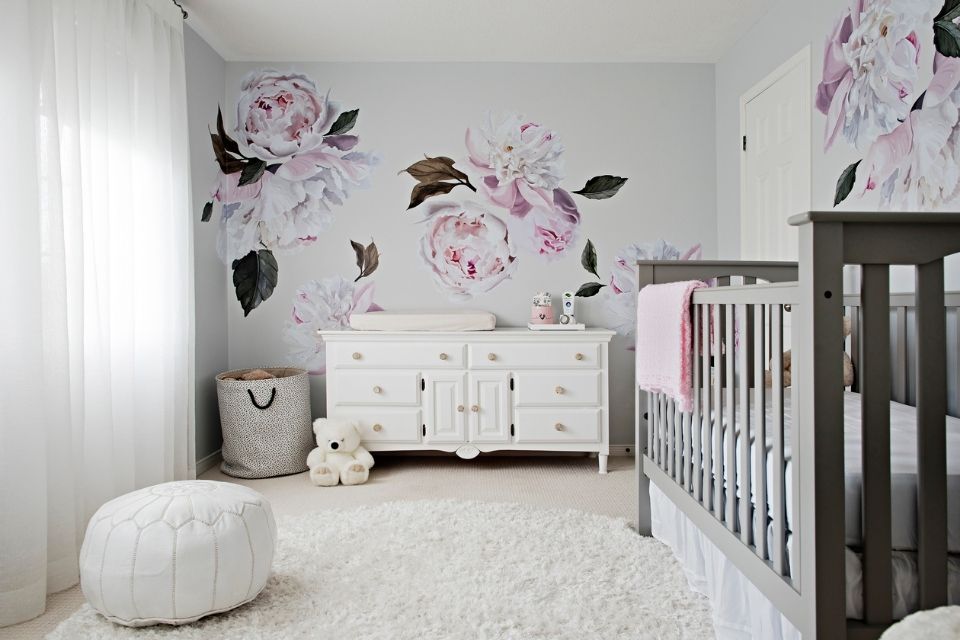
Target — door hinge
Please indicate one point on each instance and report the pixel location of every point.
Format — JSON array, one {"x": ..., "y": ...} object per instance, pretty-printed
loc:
[
  {"x": 423, "y": 384},
  {"x": 511, "y": 431},
  {"x": 511, "y": 384},
  {"x": 744, "y": 143},
  {"x": 424, "y": 430}
]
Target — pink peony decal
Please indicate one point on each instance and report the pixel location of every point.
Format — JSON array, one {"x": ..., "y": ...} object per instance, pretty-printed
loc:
[
  {"x": 291, "y": 163},
  {"x": 323, "y": 304},
  {"x": 467, "y": 249}
]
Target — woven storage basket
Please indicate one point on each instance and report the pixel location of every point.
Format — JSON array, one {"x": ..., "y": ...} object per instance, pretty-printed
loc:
[{"x": 266, "y": 423}]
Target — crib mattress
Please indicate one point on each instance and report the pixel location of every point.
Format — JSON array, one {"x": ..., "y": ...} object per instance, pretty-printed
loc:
[
  {"x": 903, "y": 468},
  {"x": 423, "y": 321}
]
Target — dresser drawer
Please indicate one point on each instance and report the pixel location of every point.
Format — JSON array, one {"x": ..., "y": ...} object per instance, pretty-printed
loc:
[
  {"x": 394, "y": 355},
  {"x": 557, "y": 426},
  {"x": 535, "y": 355},
  {"x": 377, "y": 387},
  {"x": 557, "y": 387},
  {"x": 378, "y": 424}
]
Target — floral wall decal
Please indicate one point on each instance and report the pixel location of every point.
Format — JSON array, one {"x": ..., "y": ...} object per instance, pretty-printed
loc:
[
  {"x": 328, "y": 303},
  {"x": 290, "y": 162},
  {"x": 621, "y": 294},
  {"x": 514, "y": 167},
  {"x": 872, "y": 95}
]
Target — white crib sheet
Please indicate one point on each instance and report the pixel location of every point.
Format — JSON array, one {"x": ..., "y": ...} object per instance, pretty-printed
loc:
[{"x": 903, "y": 468}]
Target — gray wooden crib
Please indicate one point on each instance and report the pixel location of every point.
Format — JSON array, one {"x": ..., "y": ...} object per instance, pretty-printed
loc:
[{"x": 700, "y": 460}]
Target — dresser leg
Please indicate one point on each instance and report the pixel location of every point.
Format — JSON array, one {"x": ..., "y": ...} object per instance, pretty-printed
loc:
[{"x": 603, "y": 463}]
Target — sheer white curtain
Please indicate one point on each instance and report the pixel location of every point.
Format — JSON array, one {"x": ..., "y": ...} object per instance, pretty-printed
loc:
[{"x": 96, "y": 317}]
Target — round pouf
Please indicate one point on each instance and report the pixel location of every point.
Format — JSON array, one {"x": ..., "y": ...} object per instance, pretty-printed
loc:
[
  {"x": 942, "y": 623},
  {"x": 175, "y": 552}
]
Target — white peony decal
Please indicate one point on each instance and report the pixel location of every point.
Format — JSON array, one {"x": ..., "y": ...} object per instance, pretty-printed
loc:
[{"x": 291, "y": 162}]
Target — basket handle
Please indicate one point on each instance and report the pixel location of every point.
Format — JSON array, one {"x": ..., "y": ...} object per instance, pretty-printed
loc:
[{"x": 273, "y": 394}]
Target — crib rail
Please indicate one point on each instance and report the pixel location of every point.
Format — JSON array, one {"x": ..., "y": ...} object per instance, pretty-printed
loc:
[{"x": 709, "y": 461}]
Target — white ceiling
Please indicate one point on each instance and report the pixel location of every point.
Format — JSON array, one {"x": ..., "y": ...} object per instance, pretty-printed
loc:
[{"x": 475, "y": 30}]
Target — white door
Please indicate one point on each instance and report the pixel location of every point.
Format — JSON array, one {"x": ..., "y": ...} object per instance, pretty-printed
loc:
[
  {"x": 445, "y": 407},
  {"x": 489, "y": 394},
  {"x": 775, "y": 123}
]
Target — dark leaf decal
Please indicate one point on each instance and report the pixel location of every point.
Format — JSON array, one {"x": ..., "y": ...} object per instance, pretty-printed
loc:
[
  {"x": 589, "y": 258},
  {"x": 207, "y": 212},
  {"x": 358, "y": 250},
  {"x": 950, "y": 11},
  {"x": 426, "y": 190},
  {"x": 344, "y": 123},
  {"x": 946, "y": 38},
  {"x": 254, "y": 277},
  {"x": 252, "y": 171},
  {"x": 434, "y": 170},
  {"x": 589, "y": 289},
  {"x": 436, "y": 176},
  {"x": 368, "y": 258},
  {"x": 845, "y": 183},
  {"x": 601, "y": 187},
  {"x": 229, "y": 144},
  {"x": 228, "y": 163}
]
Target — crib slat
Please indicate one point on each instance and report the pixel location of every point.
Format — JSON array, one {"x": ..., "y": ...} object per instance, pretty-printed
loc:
[
  {"x": 655, "y": 424},
  {"x": 931, "y": 435},
  {"x": 706, "y": 390},
  {"x": 671, "y": 437},
  {"x": 900, "y": 367},
  {"x": 664, "y": 434},
  {"x": 694, "y": 460},
  {"x": 778, "y": 497},
  {"x": 718, "y": 373},
  {"x": 678, "y": 442},
  {"x": 650, "y": 426},
  {"x": 731, "y": 426},
  {"x": 875, "y": 409},
  {"x": 744, "y": 381},
  {"x": 760, "y": 435}
]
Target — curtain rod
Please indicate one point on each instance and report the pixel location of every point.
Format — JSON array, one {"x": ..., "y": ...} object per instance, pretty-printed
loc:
[{"x": 182, "y": 10}]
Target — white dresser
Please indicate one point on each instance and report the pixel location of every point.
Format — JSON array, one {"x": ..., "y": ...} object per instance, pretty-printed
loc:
[{"x": 473, "y": 391}]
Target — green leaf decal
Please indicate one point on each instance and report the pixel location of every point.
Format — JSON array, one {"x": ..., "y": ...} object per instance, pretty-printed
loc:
[
  {"x": 207, "y": 212},
  {"x": 344, "y": 123},
  {"x": 252, "y": 171},
  {"x": 950, "y": 11},
  {"x": 601, "y": 187},
  {"x": 946, "y": 38},
  {"x": 229, "y": 144},
  {"x": 589, "y": 258},
  {"x": 426, "y": 190},
  {"x": 845, "y": 183},
  {"x": 589, "y": 289},
  {"x": 255, "y": 278}
]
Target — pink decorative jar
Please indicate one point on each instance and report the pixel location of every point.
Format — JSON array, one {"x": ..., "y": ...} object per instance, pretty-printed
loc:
[{"x": 542, "y": 310}]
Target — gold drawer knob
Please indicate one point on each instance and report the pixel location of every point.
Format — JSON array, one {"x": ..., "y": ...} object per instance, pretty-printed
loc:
[
  {"x": 356, "y": 355},
  {"x": 460, "y": 408},
  {"x": 377, "y": 389},
  {"x": 560, "y": 391},
  {"x": 491, "y": 357},
  {"x": 378, "y": 427},
  {"x": 579, "y": 356},
  {"x": 443, "y": 356},
  {"x": 559, "y": 427},
  {"x": 474, "y": 408}
]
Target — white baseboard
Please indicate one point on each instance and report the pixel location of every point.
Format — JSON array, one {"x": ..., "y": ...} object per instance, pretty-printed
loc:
[
  {"x": 208, "y": 462},
  {"x": 625, "y": 450}
]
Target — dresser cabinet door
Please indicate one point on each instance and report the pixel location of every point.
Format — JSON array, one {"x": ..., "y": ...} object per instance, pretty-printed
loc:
[
  {"x": 489, "y": 394},
  {"x": 445, "y": 407}
]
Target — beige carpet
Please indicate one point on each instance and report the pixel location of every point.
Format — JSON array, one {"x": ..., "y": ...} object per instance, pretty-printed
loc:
[{"x": 571, "y": 482}]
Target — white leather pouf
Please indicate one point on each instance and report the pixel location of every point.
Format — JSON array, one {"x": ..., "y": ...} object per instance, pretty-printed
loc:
[{"x": 176, "y": 552}]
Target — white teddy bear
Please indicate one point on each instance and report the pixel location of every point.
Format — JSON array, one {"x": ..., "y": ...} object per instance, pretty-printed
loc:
[{"x": 338, "y": 456}]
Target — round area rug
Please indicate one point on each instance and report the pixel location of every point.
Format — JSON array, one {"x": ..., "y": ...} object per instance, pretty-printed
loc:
[{"x": 450, "y": 569}]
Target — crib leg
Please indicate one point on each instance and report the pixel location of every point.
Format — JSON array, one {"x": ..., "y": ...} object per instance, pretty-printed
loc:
[{"x": 603, "y": 463}]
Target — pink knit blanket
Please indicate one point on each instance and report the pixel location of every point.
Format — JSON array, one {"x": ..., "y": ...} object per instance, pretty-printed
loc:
[{"x": 664, "y": 340}]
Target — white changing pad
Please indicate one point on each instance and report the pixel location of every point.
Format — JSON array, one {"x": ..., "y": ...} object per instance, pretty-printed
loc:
[{"x": 423, "y": 321}]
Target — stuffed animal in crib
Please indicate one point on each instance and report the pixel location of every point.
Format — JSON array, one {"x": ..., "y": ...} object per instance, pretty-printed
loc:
[
  {"x": 787, "y": 360},
  {"x": 338, "y": 457}
]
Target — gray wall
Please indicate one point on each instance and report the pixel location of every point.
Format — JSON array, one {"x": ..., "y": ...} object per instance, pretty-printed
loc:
[
  {"x": 653, "y": 123},
  {"x": 757, "y": 53},
  {"x": 205, "y": 86}
]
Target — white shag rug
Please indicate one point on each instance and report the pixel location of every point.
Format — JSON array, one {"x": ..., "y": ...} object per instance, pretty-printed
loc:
[{"x": 450, "y": 569}]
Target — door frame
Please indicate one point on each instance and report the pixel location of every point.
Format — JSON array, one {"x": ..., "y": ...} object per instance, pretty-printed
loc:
[{"x": 798, "y": 59}]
